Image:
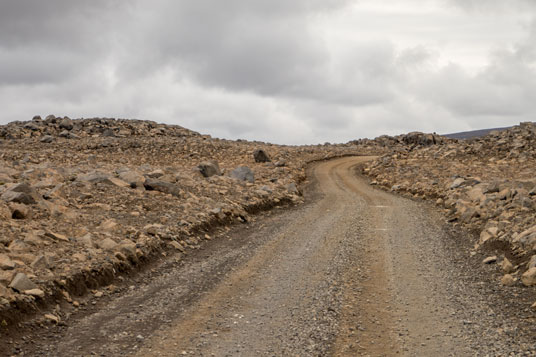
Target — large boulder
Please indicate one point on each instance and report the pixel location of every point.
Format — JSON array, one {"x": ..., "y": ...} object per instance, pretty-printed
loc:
[
  {"x": 243, "y": 173},
  {"x": 261, "y": 156},
  {"x": 209, "y": 168}
]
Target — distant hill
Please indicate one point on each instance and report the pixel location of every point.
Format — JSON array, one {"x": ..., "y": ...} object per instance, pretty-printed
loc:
[{"x": 473, "y": 134}]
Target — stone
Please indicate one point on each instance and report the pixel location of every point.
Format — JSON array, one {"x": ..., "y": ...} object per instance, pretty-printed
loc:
[
  {"x": 108, "y": 225},
  {"x": 86, "y": 240},
  {"x": 107, "y": 244},
  {"x": 156, "y": 174},
  {"x": 529, "y": 277},
  {"x": 22, "y": 283},
  {"x": 35, "y": 292},
  {"x": 490, "y": 260},
  {"x": 19, "y": 211},
  {"x": 209, "y": 168},
  {"x": 243, "y": 173},
  {"x": 162, "y": 186},
  {"x": 508, "y": 280},
  {"x": 532, "y": 262},
  {"x": 457, "y": 183},
  {"x": 47, "y": 139},
  {"x": 118, "y": 182},
  {"x": 52, "y": 318},
  {"x": 507, "y": 266},
  {"x": 95, "y": 177},
  {"x": 6, "y": 263},
  {"x": 66, "y": 124},
  {"x": 21, "y": 193},
  {"x": 56, "y": 236},
  {"x": 177, "y": 246},
  {"x": 41, "y": 262},
  {"x": 133, "y": 178},
  {"x": 261, "y": 156}
]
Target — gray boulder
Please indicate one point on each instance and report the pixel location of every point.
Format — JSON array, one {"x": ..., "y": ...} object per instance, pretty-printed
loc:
[
  {"x": 66, "y": 124},
  {"x": 209, "y": 168},
  {"x": 161, "y": 186},
  {"x": 243, "y": 173},
  {"x": 261, "y": 156}
]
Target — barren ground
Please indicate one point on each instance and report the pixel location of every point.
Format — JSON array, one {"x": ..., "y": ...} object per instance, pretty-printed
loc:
[{"x": 354, "y": 271}]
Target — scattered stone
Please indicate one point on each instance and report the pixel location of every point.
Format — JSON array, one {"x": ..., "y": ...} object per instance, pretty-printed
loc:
[
  {"x": 261, "y": 156},
  {"x": 107, "y": 244},
  {"x": 162, "y": 186},
  {"x": 209, "y": 168},
  {"x": 35, "y": 292},
  {"x": 490, "y": 260},
  {"x": 507, "y": 266},
  {"x": 243, "y": 173},
  {"x": 22, "y": 283},
  {"x": 19, "y": 211},
  {"x": 52, "y": 318},
  {"x": 508, "y": 280},
  {"x": 66, "y": 124},
  {"x": 6, "y": 263},
  {"x": 47, "y": 139},
  {"x": 529, "y": 277}
]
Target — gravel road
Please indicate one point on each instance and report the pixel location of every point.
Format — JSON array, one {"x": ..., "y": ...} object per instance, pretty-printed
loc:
[{"x": 354, "y": 272}]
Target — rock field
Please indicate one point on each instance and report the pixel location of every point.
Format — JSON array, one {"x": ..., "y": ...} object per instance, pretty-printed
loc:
[
  {"x": 487, "y": 185},
  {"x": 83, "y": 200}
]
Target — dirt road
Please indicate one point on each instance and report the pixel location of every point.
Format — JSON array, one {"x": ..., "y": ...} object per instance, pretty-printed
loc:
[{"x": 356, "y": 271}]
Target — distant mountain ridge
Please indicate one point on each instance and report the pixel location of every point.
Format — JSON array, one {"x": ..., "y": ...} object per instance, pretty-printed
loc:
[{"x": 473, "y": 133}]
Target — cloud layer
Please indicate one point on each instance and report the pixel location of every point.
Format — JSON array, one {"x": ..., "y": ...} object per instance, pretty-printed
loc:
[{"x": 282, "y": 71}]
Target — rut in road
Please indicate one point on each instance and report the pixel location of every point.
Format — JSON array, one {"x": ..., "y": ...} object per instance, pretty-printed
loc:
[{"x": 357, "y": 271}]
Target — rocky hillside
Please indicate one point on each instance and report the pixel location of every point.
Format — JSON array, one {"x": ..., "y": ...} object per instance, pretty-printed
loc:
[
  {"x": 485, "y": 184},
  {"x": 82, "y": 200}
]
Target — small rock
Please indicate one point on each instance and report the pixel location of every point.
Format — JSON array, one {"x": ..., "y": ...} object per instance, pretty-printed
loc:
[
  {"x": 243, "y": 173},
  {"x": 507, "y": 266},
  {"x": 52, "y": 318},
  {"x": 35, "y": 292},
  {"x": 47, "y": 139},
  {"x": 22, "y": 283},
  {"x": 529, "y": 277},
  {"x": 19, "y": 211},
  {"x": 490, "y": 260},
  {"x": 6, "y": 263},
  {"x": 107, "y": 244},
  {"x": 457, "y": 183},
  {"x": 66, "y": 124},
  {"x": 532, "y": 262},
  {"x": 508, "y": 280},
  {"x": 56, "y": 236},
  {"x": 261, "y": 156},
  {"x": 209, "y": 168}
]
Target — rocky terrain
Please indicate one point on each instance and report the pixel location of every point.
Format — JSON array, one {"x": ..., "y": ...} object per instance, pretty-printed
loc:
[
  {"x": 83, "y": 200},
  {"x": 486, "y": 185}
]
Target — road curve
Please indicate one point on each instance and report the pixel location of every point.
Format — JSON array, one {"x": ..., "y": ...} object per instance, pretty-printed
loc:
[{"x": 355, "y": 272}]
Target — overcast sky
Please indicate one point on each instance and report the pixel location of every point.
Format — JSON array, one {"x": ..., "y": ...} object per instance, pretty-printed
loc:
[{"x": 300, "y": 71}]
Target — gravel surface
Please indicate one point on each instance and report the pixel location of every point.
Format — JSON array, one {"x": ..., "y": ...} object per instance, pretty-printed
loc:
[{"x": 355, "y": 271}]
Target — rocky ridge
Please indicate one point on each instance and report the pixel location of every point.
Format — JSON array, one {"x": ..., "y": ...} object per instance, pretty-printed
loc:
[
  {"x": 84, "y": 200},
  {"x": 486, "y": 185}
]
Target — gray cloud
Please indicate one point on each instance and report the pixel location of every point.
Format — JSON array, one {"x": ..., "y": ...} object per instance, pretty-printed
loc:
[{"x": 283, "y": 71}]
